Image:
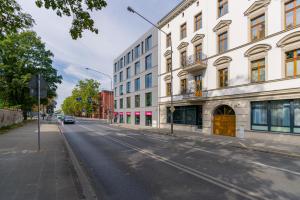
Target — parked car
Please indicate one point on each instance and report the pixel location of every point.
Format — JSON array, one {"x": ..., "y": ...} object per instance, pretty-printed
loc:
[{"x": 69, "y": 120}]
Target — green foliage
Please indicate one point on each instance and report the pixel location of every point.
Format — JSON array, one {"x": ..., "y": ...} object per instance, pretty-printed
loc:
[
  {"x": 20, "y": 56},
  {"x": 78, "y": 9},
  {"x": 84, "y": 89},
  {"x": 12, "y": 19}
]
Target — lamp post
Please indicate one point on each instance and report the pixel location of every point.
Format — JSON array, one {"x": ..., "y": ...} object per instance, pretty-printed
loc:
[
  {"x": 130, "y": 9},
  {"x": 111, "y": 85}
]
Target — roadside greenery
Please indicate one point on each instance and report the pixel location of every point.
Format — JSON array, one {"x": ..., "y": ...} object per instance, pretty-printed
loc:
[
  {"x": 12, "y": 19},
  {"x": 84, "y": 98},
  {"x": 23, "y": 55}
]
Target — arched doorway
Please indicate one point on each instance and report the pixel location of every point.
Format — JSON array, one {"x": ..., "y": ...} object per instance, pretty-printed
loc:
[{"x": 224, "y": 121}]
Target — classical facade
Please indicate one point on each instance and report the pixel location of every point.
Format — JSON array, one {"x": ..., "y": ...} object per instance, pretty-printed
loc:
[
  {"x": 236, "y": 67},
  {"x": 136, "y": 83}
]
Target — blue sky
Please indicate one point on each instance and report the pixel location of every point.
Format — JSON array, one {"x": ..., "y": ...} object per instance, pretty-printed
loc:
[{"x": 117, "y": 30}]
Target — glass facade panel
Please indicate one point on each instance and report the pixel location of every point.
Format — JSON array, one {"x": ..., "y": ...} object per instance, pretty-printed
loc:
[
  {"x": 148, "y": 80},
  {"x": 297, "y": 113},
  {"x": 137, "y": 68},
  {"x": 137, "y": 84},
  {"x": 148, "y": 62},
  {"x": 148, "y": 99},
  {"x": 186, "y": 115},
  {"x": 137, "y": 119},
  {"x": 280, "y": 116},
  {"x": 137, "y": 101},
  {"x": 259, "y": 116},
  {"x": 128, "y": 119}
]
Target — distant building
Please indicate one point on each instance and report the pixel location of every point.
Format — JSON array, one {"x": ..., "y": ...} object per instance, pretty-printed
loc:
[
  {"x": 106, "y": 103},
  {"x": 136, "y": 83}
]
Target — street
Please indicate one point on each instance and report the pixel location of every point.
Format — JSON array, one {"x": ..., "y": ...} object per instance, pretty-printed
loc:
[{"x": 129, "y": 164}]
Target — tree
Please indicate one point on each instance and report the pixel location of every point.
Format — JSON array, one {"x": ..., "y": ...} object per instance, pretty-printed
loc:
[
  {"x": 20, "y": 56},
  {"x": 13, "y": 19},
  {"x": 84, "y": 97}
]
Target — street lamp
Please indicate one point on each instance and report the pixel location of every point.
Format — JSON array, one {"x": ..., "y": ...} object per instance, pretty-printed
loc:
[
  {"x": 111, "y": 85},
  {"x": 130, "y": 9}
]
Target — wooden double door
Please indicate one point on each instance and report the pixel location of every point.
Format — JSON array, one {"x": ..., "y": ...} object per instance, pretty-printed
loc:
[{"x": 224, "y": 122}]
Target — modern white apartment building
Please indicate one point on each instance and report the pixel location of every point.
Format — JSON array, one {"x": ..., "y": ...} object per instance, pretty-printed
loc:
[
  {"x": 236, "y": 66},
  {"x": 136, "y": 83}
]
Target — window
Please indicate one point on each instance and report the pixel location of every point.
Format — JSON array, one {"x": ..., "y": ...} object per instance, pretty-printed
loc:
[
  {"x": 168, "y": 88},
  {"x": 137, "y": 51},
  {"x": 128, "y": 57},
  {"x": 121, "y": 119},
  {"x": 148, "y": 120},
  {"x": 142, "y": 47},
  {"x": 115, "y": 104},
  {"x": 223, "y": 77},
  {"x": 121, "y": 103},
  {"x": 258, "y": 28},
  {"x": 137, "y": 101},
  {"x": 121, "y": 76},
  {"x": 128, "y": 74},
  {"x": 128, "y": 118},
  {"x": 115, "y": 91},
  {"x": 148, "y": 62},
  {"x": 128, "y": 102},
  {"x": 183, "y": 58},
  {"x": 222, "y": 7},
  {"x": 169, "y": 65},
  {"x": 148, "y": 81},
  {"x": 292, "y": 14},
  {"x": 128, "y": 86},
  {"x": 168, "y": 40},
  {"x": 258, "y": 70},
  {"x": 137, "y": 119},
  {"x": 259, "y": 112},
  {"x": 292, "y": 63},
  {"x": 148, "y": 43},
  {"x": 148, "y": 99},
  {"x": 121, "y": 62},
  {"x": 115, "y": 79},
  {"x": 198, "y": 52},
  {"x": 223, "y": 42},
  {"x": 198, "y": 86},
  {"x": 183, "y": 86},
  {"x": 276, "y": 116},
  {"x": 189, "y": 115},
  {"x": 121, "y": 90},
  {"x": 115, "y": 67},
  {"x": 137, "y": 84},
  {"x": 137, "y": 68},
  {"x": 198, "y": 22},
  {"x": 183, "y": 31}
]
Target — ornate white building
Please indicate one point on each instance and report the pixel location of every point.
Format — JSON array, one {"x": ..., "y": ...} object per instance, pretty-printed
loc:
[{"x": 236, "y": 66}]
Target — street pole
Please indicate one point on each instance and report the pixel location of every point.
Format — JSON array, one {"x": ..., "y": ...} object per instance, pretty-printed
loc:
[
  {"x": 39, "y": 102},
  {"x": 172, "y": 109}
]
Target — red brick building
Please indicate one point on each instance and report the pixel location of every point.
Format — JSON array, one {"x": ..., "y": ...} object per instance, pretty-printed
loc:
[{"x": 106, "y": 103}]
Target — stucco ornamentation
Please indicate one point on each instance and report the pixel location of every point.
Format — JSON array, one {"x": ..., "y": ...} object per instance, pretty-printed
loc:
[
  {"x": 182, "y": 45},
  {"x": 222, "y": 24},
  {"x": 167, "y": 78},
  {"x": 222, "y": 60},
  {"x": 182, "y": 73},
  {"x": 256, "y": 6},
  {"x": 167, "y": 53},
  {"x": 260, "y": 48},
  {"x": 197, "y": 37},
  {"x": 289, "y": 39}
]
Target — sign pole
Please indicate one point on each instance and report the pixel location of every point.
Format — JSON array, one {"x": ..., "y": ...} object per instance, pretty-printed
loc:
[{"x": 39, "y": 102}]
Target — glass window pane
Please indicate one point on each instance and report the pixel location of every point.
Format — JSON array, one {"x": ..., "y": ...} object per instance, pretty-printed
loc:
[
  {"x": 254, "y": 75},
  {"x": 280, "y": 116},
  {"x": 290, "y": 69},
  {"x": 298, "y": 67},
  {"x": 262, "y": 74},
  {"x": 259, "y": 113},
  {"x": 298, "y": 16},
  {"x": 289, "y": 19},
  {"x": 297, "y": 113}
]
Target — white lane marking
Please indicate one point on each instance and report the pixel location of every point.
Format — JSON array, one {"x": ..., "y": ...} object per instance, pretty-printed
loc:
[
  {"x": 211, "y": 152},
  {"x": 114, "y": 129},
  {"x": 278, "y": 168},
  {"x": 87, "y": 128},
  {"x": 225, "y": 185}
]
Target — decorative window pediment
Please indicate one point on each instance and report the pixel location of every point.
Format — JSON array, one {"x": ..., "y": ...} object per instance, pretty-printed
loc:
[
  {"x": 167, "y": 53},
  {"x": 256, "y": 6},
  {"x": 260, "y": 48},
  {"x": 222, "y": 60},
  {"x": 289, "y": 39},
  {"x": 197, "y": 37},
  {"x": 182, "y": 73},
  {"x": 222, "y": 24},
  {"x": 167, "y": 78},
  {"x": 182, "y": 45}
]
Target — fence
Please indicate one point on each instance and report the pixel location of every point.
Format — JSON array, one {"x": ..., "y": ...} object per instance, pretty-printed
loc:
[{"x": 10, "y": 116}]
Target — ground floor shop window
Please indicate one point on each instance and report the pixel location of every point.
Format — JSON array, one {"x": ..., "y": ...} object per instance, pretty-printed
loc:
[
  {"x": 276, "y": 116},
  {"x": 121, "y": 119},
  {"x": 148, "y": 118},
  {"x": 116, "y": 119},
  {"x": 128, "y": 119},
  {"x": 188, "y": 115},
  {"x": 137, "y": 119}
]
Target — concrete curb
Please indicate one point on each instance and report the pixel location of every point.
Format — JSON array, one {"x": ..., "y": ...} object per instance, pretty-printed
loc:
[{"x": 87, "y": 188}]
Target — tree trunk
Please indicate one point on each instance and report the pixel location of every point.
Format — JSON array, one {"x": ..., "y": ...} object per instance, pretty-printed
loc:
[{"x": 25, "y": 115}]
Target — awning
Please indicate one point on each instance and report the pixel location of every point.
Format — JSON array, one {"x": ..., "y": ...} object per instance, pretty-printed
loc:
[
  {"x": 121, "y": 113},
  {"x": 137, "y": 113},
  {"x": 128, "y": 113},
  {"x": 148, "y": 113},
  {"x": 115, "y": 113}
]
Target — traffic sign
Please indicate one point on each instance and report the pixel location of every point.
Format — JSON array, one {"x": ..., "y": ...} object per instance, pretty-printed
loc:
[{"x": 172, "y": 109}]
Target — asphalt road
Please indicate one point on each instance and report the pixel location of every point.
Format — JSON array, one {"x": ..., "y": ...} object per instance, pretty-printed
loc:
[{"x": 126, "y": 164}]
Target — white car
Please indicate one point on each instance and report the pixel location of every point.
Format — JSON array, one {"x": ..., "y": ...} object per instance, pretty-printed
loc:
[{"x": 69, "y": 120}]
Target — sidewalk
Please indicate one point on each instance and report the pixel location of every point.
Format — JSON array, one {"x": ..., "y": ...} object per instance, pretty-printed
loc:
[
  {"x": 27, "y": 174},
  {"x": 263, "y": 145}
]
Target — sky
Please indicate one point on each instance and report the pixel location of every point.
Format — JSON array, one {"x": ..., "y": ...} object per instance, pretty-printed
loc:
[{"x": 118, "y": 29}]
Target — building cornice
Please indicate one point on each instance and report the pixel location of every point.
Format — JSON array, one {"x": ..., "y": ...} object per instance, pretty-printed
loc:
[{"x": 175, "y": 12}]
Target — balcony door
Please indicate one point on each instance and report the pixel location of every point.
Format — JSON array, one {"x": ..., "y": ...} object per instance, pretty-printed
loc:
[
  {"x": 198, "y": 85},
  {"x": 198, "y": 52}
]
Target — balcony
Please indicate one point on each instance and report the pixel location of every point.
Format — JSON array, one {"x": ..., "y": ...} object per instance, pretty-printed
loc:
[
  {"x": 192, "y": 94},
  {"x": 195, "y": 63}
]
